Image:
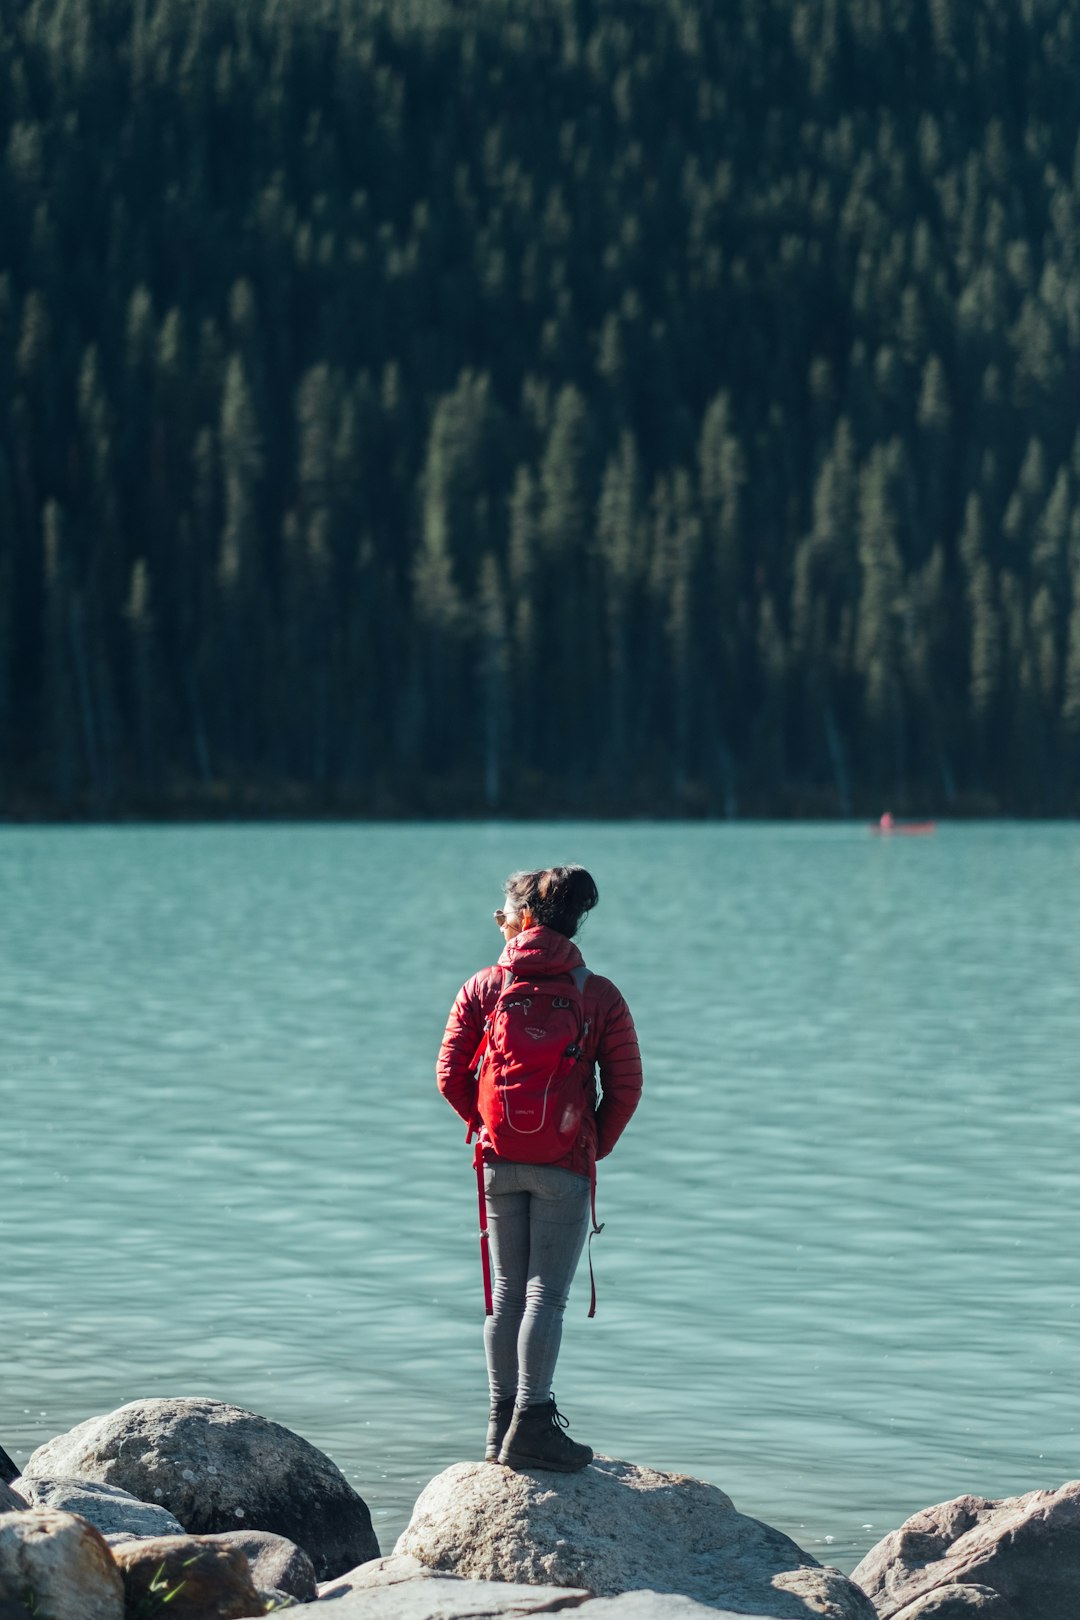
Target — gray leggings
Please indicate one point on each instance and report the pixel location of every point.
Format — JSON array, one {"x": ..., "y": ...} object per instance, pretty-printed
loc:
[{"x": 538, "y": 1217}]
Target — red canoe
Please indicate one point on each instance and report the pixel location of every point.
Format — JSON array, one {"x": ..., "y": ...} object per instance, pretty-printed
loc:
[{"x": 909, "y": 829}]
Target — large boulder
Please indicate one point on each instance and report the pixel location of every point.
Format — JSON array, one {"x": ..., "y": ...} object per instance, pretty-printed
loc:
[
  {"x": 187, "y": 1578},
  {"x": 216, "y": 1467},
  {"x": 1026, "y": 1548},
  {"x": 443, "y": 1599},
  {"x": 656, "y": 1606},
  {"x": 57, "y": 1565},
  {"x": 109, "y": 1509},
  {"x": 440, "y": 1598},
  {"x": 419, "y": 1593},
  {"x": 616, "y": 1527}
]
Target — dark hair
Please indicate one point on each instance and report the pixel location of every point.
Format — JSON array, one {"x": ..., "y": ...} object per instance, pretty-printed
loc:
[{"x": 558, "y": 897}]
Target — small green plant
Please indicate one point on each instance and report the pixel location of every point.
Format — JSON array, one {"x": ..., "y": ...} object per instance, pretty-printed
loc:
[
  {"x": 159, "y": 1592},
  {"x": 286, "y": 1601}
]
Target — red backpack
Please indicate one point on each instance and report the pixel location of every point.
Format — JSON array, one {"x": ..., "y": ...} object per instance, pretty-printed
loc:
[{"x": 533, "y": 1085}]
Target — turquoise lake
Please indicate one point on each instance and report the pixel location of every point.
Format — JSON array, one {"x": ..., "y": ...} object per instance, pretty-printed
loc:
[{"x": 839, "y": 1275}]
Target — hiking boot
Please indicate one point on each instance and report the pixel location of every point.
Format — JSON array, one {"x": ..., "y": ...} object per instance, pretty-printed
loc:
[
  {"x": 536, "y": 1440},
  {"x": 498, "y": 1423}
]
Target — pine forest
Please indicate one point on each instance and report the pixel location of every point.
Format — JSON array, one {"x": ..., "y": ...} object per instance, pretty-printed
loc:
[{"x": 539, "y": 407}]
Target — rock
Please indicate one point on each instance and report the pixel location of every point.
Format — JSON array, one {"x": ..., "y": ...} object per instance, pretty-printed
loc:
[
  {"x": 381, "y": 1572},
  {"x": 114, "y": 1512},
  {"x": 419, "y": 1594},
  {"x": 1025, "y": 1548},
  {"x": 656, "y": 1606},
  {"x": 196, "y": 1578},
  {"x": 438, "y": 1598},
  {"x": 960, "y": 1603},
  {"x": 58, "y": 1565},
  {"x": 216, "y": 1467},
  {"x": 11, "y": 1501},
  {"x": 276, "y": 1563},
  {"x": 616, "y": 1527},
  {"x": 823, "y": 1590}
]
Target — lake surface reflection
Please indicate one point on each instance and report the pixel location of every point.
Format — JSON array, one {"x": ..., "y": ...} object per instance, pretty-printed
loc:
[{"x": 838, "y": 1276}]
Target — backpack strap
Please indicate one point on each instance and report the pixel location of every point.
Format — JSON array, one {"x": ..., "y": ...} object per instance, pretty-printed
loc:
[
  {"x": 478, "y": 1056},
  {"x": 595, "y": 1232},
  {"x": 485, "y": 1248},
  {"x": 580, "y": 975}
]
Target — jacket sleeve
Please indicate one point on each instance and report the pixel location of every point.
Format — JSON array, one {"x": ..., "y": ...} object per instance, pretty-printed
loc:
[
  {"x": 619, "y": 1062},
  {"x": 464, "y": 1029}
]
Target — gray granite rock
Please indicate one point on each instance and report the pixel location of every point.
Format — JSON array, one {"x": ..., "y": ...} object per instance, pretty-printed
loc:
[
  {"x": 216, "y": 1467},
  {"x": 275, "y": 1563},
  {"x": 112, "y": 1511},
  {"x": 656, "y": 1606},
  {"x": 58, "y": 1565},
  {"x": 960, "y": 1603},
  {"x": 617, "y": 1527},
  {"x": 442, "y": 1599},
  {"x": 381, "y": 1572},
  {"x": 1026, "y": 1548},
  {"x": 422, "y": 1595}
]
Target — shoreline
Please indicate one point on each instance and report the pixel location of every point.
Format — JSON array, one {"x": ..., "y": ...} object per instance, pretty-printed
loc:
[{"x": 188, "y": 1492}]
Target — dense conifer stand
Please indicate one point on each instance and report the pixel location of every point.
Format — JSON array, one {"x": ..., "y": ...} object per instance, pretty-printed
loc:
[{"x": 562, "y": 407}]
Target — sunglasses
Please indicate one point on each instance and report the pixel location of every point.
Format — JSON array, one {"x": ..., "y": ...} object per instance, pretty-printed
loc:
[{"x": 500, "y": 918}]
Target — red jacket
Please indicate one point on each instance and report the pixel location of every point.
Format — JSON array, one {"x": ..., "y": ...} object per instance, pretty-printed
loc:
[{"x": 611, "y": 1042}]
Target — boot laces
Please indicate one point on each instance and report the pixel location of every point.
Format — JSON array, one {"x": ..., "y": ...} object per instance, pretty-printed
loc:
[{"x": 557, "y": 1417}]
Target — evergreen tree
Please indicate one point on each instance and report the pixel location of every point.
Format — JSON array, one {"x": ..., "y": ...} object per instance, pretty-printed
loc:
[
  {"x": 239, "y": 606},
  {"x": 985, "y": 655},
  {"x": 493, "y": 673},
  {"x": 621, "y": 543},
  {"x": 877, "y": 643},
  {"x": 148, "y": 718}
]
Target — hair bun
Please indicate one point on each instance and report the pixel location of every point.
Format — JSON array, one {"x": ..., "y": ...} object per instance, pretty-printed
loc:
[{"x": 558, "y": 897}]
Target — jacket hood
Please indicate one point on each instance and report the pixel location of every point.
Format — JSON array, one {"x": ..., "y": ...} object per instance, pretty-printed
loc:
[{"x": 537, "y": 953}]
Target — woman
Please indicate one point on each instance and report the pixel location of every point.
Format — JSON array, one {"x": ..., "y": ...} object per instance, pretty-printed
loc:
[{"x": 538, "y": 1213}]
